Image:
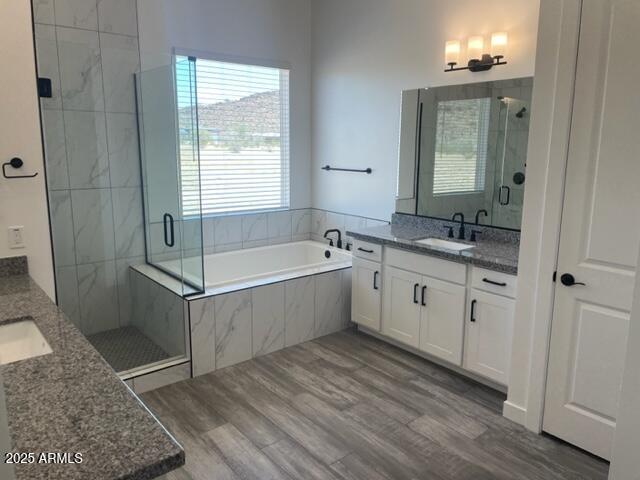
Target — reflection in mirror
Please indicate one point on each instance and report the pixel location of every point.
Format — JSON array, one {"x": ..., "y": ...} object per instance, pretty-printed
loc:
[{"x": 463, "y": 149}]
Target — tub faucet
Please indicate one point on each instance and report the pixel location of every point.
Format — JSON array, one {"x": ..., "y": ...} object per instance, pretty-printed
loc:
[{"x": 334, "y": 230}]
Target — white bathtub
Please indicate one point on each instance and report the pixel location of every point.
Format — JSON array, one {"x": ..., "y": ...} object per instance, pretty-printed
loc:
[{"x": 239, "y": 269}]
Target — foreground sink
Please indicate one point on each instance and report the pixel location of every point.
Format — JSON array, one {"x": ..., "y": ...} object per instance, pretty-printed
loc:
[
  {"x": 20, "y": 340},
  {"x": 439, "y": 243}
]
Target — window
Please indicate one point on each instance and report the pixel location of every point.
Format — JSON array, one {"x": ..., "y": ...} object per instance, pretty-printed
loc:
[
  {"x": 242, "y": 120},
  {"x": 462, "y": 134}
]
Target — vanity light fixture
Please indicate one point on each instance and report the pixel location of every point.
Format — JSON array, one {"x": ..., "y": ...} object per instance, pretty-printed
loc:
[{"x": 478, "y": 59}]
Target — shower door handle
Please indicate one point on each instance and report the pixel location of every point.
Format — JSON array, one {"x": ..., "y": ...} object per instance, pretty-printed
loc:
[
  {"x": 169, "y": 233},
  {"x": 508, "y": 190}
]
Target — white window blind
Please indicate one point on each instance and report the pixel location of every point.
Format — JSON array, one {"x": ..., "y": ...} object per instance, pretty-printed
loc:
[
  {"x": 462, "y": 134},
  {"x": 243, "y": 138}
]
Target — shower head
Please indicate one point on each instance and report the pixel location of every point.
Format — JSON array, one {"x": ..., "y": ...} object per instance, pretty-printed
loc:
[{"x": 521, "y": 112}]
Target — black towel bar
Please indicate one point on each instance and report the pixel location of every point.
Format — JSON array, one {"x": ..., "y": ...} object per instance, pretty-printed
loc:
[{"x": 329, "y": 168}]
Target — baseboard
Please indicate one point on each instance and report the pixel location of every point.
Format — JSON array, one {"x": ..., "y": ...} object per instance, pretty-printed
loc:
[{"x": 514, "y": 412}]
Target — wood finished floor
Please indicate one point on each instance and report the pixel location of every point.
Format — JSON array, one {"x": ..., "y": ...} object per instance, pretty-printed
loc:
[{"x": 346, "y": 407}]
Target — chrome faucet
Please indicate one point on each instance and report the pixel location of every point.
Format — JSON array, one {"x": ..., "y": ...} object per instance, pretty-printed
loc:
[
  {"x": 334, "y": 230},
  {"x": 461, "y": 234}
]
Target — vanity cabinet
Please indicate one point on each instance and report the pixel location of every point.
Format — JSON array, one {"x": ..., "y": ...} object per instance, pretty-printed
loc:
[
  {"x": 454, "y": 312},
  {"x": 489, "y": 329},
  {"x": 421, "y": 311},
  {"x": 365, "y": 293}
]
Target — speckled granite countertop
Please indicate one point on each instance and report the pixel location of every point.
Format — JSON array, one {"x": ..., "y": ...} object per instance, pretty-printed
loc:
[
  {"x": 495, "y": 255},
  {"x": 72, "y": 401}
]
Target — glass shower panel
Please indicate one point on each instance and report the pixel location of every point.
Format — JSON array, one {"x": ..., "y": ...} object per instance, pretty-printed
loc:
[
  {"x": 189, "y": 173},
  {"x": 169, "y": 146},
  {"x": 513, "y": 138}
]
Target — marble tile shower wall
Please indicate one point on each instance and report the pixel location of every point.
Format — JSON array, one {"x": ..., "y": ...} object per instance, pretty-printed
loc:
[{"x": 89, "y": 50}]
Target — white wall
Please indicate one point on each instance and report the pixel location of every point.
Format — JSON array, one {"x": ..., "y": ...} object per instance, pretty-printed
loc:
[
  {"x": 364, "y": 53},
  {"x": 22, "y": 202},
  {"x": 269, "y": 30}
]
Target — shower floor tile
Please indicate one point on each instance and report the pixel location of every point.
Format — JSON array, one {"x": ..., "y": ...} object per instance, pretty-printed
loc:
[{"x": 126, "y": 348}]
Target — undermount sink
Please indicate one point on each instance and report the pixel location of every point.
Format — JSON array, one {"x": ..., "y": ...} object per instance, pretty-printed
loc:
[
  {"x": 447, "y": 245},
  {"x": 20, "y": 340}
]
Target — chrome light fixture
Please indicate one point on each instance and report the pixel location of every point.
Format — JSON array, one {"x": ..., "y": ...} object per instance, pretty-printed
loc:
[{"x": 478, "y": 59}]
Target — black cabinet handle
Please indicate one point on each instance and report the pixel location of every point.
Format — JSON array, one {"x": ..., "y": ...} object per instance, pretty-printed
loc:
[
  {"x": 415, "y": 293},
  {"x": 569, "y": 280},
  {"x": 169, "y": 233},
  {"x": 375, "y": 279},
  {"x": 424, "y": 292},
  {"x": 364, "y": 250},
  {"x": 493, "y": 282},
  {"x": 473, "y": 310}
]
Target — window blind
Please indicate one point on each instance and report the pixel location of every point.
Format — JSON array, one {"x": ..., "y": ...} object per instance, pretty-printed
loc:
[
  {"x": 242, "y": 121},
  {"x": 462, "y": 135}
]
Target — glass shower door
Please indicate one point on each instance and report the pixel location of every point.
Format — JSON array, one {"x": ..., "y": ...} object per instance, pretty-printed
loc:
[{"x": 167, "y": 114}]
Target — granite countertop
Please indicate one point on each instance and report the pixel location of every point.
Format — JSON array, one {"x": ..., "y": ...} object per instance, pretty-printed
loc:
[
  {"x": 494, "y": 255},
  {"x": 72, "y": 401}
]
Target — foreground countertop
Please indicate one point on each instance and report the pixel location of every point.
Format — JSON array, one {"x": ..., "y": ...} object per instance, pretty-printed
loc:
[
  {"x": 72, "y": 401},
  {"x": 493, "y": 255}
]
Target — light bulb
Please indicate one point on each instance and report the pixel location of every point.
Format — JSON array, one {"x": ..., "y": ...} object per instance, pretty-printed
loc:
[
  {"x": 452, "y": 52},
  {"x": 498, "y": 44},
  {"x": 475, "y": 47}
]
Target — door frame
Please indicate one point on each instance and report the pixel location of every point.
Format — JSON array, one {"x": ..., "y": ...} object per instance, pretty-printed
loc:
[{"x": 552, "y": 109}]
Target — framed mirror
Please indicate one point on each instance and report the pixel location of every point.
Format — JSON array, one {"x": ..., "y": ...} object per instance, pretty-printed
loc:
[{"x": 463, "y": 148}]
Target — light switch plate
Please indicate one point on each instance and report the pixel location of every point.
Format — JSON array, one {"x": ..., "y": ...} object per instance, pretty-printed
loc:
[{"x": 16, "y": 237}]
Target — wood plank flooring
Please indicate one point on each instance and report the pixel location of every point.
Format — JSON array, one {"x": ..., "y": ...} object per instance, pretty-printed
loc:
[{"x": 351, "y": 407}]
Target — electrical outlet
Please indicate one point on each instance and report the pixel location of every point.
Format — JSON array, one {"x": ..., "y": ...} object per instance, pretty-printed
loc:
[{"x": 16, "y": 239}]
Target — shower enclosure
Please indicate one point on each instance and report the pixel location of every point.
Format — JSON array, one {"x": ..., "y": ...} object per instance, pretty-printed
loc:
[
  {"x": 121, "y": 152},
  {"x": 167, "y": 122}
]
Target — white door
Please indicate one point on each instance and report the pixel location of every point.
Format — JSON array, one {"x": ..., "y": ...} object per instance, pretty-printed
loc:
[
  {"x": 489, "y": 334},
  {"x": 600, "y": 231},
  {"x": 365, "y": 295},
  {"x": 442, "y": 319},
  {"x": 402, "y": 305}
]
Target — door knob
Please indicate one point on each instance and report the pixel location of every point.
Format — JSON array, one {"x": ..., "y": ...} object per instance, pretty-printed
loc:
[{"x": 569, "y": 280}]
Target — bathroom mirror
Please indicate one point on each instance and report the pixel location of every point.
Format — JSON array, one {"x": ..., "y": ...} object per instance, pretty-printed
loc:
[{"x": 463, "y": 148}]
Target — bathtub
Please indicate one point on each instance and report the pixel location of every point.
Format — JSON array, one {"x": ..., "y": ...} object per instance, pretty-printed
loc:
[
  {"x": 260, "y": 300},
  {"x": 230, "y": 271}
]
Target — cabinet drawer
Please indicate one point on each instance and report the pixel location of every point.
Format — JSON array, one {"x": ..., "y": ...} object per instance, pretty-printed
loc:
[
  {"x": 494, "y": 282},
  {"x": 426, "y": 265},
  {"x": 370, "y": 251}
]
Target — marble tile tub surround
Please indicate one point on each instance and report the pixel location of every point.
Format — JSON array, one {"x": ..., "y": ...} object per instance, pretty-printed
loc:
[
  {"x": 13, "y": 266},
  {"x": 225, "y": 233},
  {"x": 235, "y": 327},
  {"x": 49, "y": 397},
  {"x": 89, "y": 50},
  {"x": 496, "y": 249}
]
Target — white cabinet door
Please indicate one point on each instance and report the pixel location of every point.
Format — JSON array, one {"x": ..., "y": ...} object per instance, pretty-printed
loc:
[
  {"x": 401, "y": 319},
  {"x": 365, "y": 294},
  {"x": 442, "y": 319},
  {"x": 489, "y": 333}
]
